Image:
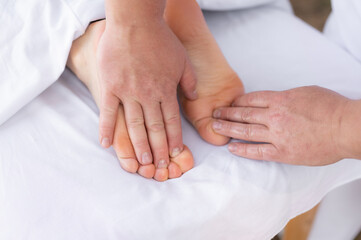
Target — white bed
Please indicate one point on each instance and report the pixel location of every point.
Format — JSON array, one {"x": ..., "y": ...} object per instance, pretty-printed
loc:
[{"x": 57, "y": 183}]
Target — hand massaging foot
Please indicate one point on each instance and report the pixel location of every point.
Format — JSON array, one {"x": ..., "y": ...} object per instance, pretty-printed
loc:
[
  {"x": 82, "y": 61},
  {"x": 218, "y": 85}
]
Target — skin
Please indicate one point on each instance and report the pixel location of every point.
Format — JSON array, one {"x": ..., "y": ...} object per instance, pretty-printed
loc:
[
  {"x": 82, "y": 61},
  {"x": 303, "y": 126},
  {"x": 140, "y": 63},
  {"x": 217, "y": 86}
]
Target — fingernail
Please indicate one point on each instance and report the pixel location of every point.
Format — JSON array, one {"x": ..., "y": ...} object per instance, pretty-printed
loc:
[
  {"x": 146, "y": 159},
  {"x": 232, "y": 147},
  {"x": 217, "y": 125},
  {"x": 175, "y": 152},
  {"x": 162, "y": 164},
  {"x": 105, "y": 143},
  {"x": 217, "y": 113}
]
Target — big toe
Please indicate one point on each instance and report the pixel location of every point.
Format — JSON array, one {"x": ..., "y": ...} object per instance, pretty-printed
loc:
[
  {"x": 184, "y": 161},
  {"x": 128, "y": 164},
  {"x": 205, "y": 130}
]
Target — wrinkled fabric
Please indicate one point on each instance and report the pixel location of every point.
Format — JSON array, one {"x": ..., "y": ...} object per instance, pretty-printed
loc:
[
  {"x": 56, "y": 182},
  {"x": 344, "y": 26}
]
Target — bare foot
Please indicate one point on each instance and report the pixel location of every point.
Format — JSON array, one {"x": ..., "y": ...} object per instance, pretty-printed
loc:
[
  {"x": 218, "y": 85},
  {"x": 82, "y": 61}
]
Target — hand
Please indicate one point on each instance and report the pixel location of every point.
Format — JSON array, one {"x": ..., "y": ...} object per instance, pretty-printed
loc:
[
  {"x": 141, "y": 67},
  {"x": 299, "y": 126}
]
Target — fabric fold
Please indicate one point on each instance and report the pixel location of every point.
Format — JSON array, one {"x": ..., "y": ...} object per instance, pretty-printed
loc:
[
  {"x": 345, "y": 25},
  {"x": 35, "y": 42}
]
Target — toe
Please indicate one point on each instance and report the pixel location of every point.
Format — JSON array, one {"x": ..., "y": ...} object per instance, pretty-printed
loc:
[
  {"x": 147, "y": 171},
  {"x": 128, "y": 164},
  {"x": 161, "y": 174},
  {"x": 174, "y": 170},
  {"x": 205, "y": 129},
  {"x": 184, "y": 160}
]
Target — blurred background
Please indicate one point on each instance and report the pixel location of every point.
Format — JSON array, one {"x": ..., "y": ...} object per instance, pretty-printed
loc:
[{"x": 315, "y": 12}]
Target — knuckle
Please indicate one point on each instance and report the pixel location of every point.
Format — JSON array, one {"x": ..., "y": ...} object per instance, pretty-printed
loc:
[
  {"x": 172, "y": 119},
  {"x": 248, "y": 131},
  {"x": 227, "y": 113},
  {"x": 106, "y": 129},
  {"x": 260, "y": 151},
  {"x": 136, "y": 122},
  {"x": 228, "y": 126},
  {"x": 252, "y": 98},
  {"x": 284, "y": 97},
  {"x": 140, "y": 143},
  {"x": 244, "y": 150},
  {"x": 246, "y": 114},
  {"x": 156, "y": 126},
  {"x": 276, "y": 116},
  {"x": 107, "y": 109}
]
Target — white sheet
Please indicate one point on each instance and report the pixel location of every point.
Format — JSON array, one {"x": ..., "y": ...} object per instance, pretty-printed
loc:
[
  {"x": 339, "y": 214},
  {"x": 57, "y": 183}
]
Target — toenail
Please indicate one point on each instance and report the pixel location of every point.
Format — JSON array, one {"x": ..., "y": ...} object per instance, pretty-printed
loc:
[
  {"x": 217, "y": 114},
  {"x": 105, "y": 142},
  {"x": 146, "y": 159},
  {"x": 175, "y": 152},
  {"x": 217, "y": 125},
  {"x": 232, "y": 147},
  {"x": 162, "y": 164}
]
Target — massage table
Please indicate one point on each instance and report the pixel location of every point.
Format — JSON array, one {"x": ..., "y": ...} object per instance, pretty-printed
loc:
[{"x": 56, "y": 182}]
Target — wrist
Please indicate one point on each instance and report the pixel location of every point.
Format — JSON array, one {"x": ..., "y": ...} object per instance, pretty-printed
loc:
[
  {"x": 133, "y": 13},
  {"x": 350, "y": 130}
]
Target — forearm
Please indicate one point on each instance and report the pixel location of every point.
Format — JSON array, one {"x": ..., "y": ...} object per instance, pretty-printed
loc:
[
  {"x": 350, "y": 130},
  {"x": 133, "y": 12}
]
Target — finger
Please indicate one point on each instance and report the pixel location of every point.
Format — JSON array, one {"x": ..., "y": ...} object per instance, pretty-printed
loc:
[
  {"x": 188, "y": 82},
  {"x": 123, "y": 146},
  {"x": 137, "y": 132},
  {"x": 108, "y": 115},
  {"x": 242, "y": 114},
  {"x": 173, "y": 126},
  {"x": 246, "y": 132},
  {"x": 266, "y": 152},
  {"x": 254, "y": 99},
  {"x": 156, "y": 135}
]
